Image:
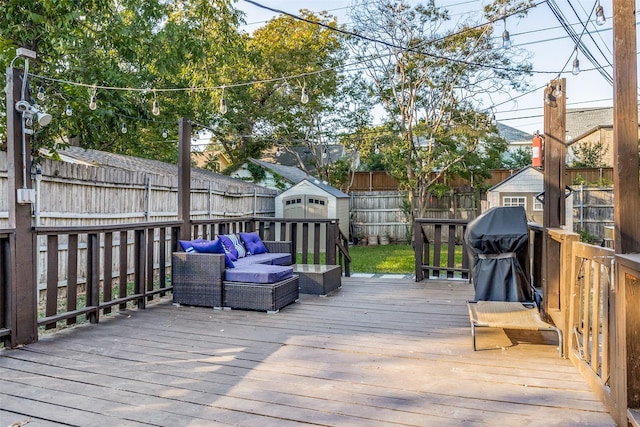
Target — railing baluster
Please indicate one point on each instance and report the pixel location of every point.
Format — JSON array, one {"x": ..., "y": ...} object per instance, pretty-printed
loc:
[
  {"x": 52, "y": 279},
  {"x": 108, "y": 270}
]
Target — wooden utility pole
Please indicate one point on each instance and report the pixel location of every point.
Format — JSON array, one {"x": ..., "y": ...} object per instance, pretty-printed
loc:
[
  {"x": 184, "y": 177},
  {"x": 22, "y": 293},
  {"x": 554, "y": 186}
]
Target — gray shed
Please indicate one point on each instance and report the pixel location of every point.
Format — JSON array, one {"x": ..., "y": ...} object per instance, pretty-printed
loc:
[{"x": 312, "y": 198}]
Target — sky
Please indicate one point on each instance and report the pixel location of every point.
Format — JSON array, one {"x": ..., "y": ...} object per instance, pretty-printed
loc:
[{"x": 549, "y": 49}]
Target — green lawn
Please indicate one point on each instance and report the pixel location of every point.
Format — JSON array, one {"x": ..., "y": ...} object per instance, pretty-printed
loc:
[
  {"x": 393, "y": 259},
  {"x": 382, "y": 259}
]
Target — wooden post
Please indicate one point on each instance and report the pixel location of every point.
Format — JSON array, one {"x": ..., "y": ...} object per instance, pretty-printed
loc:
[
  {"x": 625, "y": 382},
  {"x": 554, "y": 188},
  {"x": 184, "y": 178},
  {"x": 625, "y": 129},
  {"x": 22, "y": 294}
]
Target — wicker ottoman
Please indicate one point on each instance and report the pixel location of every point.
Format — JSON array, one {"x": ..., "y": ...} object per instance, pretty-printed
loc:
[
  {"x": 318, "y": 279},
  {"x": 269, "y": 297}
]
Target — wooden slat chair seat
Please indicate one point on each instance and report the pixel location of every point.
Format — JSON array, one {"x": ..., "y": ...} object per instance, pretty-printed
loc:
[{"x": 508, "y": 315}]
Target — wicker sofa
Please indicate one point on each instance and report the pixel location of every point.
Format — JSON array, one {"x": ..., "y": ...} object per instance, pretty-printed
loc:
[{"x": 199, "y": 279}]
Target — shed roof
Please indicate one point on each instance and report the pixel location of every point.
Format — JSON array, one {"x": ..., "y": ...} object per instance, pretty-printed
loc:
[
  {"x": 515, "y": 176},
  {"x": 103, "y": 158},
  {"x": 320, "y": 184}
]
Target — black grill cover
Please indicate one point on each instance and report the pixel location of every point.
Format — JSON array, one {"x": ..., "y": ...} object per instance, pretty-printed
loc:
[{"x": 498, "y": 242}]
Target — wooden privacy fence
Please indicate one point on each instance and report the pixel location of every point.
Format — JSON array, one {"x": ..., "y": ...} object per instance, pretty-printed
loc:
[
  {"x": 72, "y": 194},
  {"x": 385, "y": 213}
]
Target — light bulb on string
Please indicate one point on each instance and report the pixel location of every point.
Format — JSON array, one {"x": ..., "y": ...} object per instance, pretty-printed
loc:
[
  {"x": 123, "y": 129},
  {"x": 93, "y": 101},
  {"x": 156, "y": 108},
  {"x": 68, "y": 111},
  {"x": 600, "y": 18},
  {"x": 506, "y": 37},
  {"x": 376, "y": 149},
  {"x": 304, "y": 98},
  {"x": 557, "y": 90},
  {"x": 278, "y": 152},
  {"x": 40, "y": 94},
  {"x": 233, "y": 145},
  {"x": 164, "y": 133},
  {"x": 223, "y": 106},
  {"x": 576, "y": 65},
  {"x": 324, "y": 153}
]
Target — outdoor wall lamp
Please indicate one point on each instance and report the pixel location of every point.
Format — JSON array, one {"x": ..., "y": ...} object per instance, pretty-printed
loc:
[{"x": 30, "y": 111}]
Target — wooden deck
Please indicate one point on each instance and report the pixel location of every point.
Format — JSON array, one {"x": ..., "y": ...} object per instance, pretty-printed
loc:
[{"x": 378, "y": 352}]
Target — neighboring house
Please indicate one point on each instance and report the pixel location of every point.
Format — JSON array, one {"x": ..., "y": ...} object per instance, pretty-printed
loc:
[
  {"x": 516, "y": 139},
  {"x": 521, "y": 189},
  {"x": 276, "y": 176},
  {"x": 589, "y": 126}
]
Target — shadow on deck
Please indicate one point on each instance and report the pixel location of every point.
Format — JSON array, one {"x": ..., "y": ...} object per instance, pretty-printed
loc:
[{"x": 378, "y": 352}]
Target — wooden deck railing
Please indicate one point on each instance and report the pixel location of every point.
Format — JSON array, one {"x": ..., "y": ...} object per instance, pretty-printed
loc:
[
  {"x": 590, "y": 293},
  {"x": 439, "y": 249},
  {"x": 91, "y": 269},
  {"x": 5, "y": 279},
  {"x": 310, "y": 238},
  {"x": 82, "y": 273}
]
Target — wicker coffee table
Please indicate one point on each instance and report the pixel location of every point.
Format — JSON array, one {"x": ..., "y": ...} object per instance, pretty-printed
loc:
[{"x": 318, "y": 279}]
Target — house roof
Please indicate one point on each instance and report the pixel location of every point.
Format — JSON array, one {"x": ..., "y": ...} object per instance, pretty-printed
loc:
[
  {"x": 286, "y": 158},
  {"x": 582, "y": 120},
  {"x": 103, "y": 158},
  {"x": 290, "y": 173},
  {"x": 514, "y": 177},
  {"x": 511, "y": 134}
]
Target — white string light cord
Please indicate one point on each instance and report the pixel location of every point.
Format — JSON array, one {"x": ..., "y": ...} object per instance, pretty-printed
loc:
[{"x": 345, "y": 67}]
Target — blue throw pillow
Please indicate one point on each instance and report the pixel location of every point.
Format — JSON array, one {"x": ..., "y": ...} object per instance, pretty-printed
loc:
[
  {"x": 187, "y": 245},
  {"x": 229, "y": 247},
  {"x": 241, "y": 252},
  {"x": 253, "y": 243},
  {"x": 213, "y": 247}
]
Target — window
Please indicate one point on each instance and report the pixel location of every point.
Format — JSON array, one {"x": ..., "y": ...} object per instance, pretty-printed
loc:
[
  {"x": 514, "y": 201},
  {"x": 537, "y": 206}
]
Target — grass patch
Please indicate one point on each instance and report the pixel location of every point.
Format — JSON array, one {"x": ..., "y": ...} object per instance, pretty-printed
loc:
[{"x": 393, "y": 259}]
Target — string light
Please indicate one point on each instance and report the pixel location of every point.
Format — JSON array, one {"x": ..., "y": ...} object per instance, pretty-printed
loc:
[
  {"x": 156, "y": 106},
  {"x": 506, "y": 38},
  {"x": 68, "y": 111},
  {"x": 304, "y": 98},
  {"x": 164, "y": 133},
  {"x": 93, "y": 103},
  {"x": 324, "y": 153},
  {"x": 40, "y": 94},
  {"x": 576, "y": 64},
  {"x": 600, "y": 18},
  {"x": 223, "y": 106},
  {"x": 123, "y": 129},
  {"x": 557, "y": 91},
  {"x": 376, "y": 149},
  {"x": 278, "y": 152}
]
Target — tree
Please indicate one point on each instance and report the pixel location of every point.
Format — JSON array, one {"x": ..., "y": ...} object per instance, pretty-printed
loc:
[
  {"x": 140, "y": 47},
  {"x": 429, "y": 73},
  {"x": 589, "y": 154},
  {"x": 287, "y": 58},
  {"x": 518, "y": 159}
]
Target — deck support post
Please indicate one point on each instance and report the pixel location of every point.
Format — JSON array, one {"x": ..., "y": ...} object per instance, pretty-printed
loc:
[
  {"x": 22, "y": 293},
  {"x": 184, "y": 179},
  {"x": 554, "y": 187}
]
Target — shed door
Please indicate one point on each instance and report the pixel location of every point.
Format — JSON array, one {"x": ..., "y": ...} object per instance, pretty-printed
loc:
[
  {"x": 293, "y": 207},
  {"x": 316, "y": 207}
]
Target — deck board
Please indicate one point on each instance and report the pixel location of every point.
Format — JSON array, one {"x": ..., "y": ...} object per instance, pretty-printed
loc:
[{"x": 375, "y": 353}]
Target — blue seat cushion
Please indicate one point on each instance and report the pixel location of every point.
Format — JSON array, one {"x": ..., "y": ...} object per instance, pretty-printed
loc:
[
  {"x": 258, "y": 273},
  {"x": 280, "y": 258}
]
